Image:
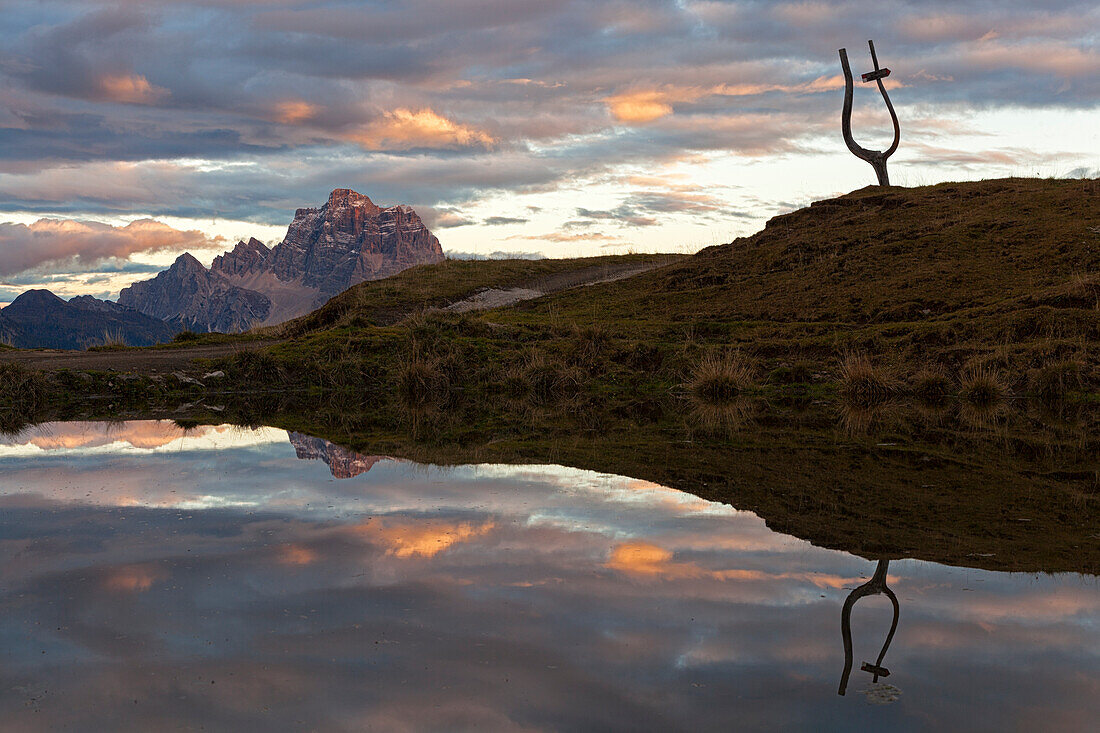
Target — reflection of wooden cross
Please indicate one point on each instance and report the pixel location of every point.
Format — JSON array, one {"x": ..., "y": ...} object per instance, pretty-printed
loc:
[
  {"x": 874, "y": 586},
  {"x": 875, "y": 158}
]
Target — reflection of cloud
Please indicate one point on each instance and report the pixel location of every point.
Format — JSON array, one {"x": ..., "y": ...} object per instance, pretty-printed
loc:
[
  {"x": 142, "y": 435},
  {"x": 139, "y": 434},
  {"x": 134, "y": 578},
  {"x": 295, "y": 555},
  {"x": 647, "y": 559},
  {"x": 476, "y": 598},
  {"x": 423, "y": 538}
]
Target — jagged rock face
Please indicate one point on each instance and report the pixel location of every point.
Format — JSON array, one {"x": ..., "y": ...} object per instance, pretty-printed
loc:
[
  {"x": 326, "y": 251},
  {"x": 342, "y": 463},
  {"x": 243, "y": 260},
  {"x": 350, "y": 240},
  {"x": 40, "y": 319},
  {"x": 196, "y": 298}
]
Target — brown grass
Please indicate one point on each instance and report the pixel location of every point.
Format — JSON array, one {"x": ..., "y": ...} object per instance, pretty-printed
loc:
[
  {"x": 1055, "y": 380},
  {"x": 421, "y": 381},
  {"x": 982, "y": 385},
  {"x": 931, "y": 385},
  {"x": 862, "y": 383},
  {"x": 721, "y": 378}
]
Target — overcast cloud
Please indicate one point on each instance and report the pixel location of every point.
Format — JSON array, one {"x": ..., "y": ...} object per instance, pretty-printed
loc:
[{"x": 249, "y": 109}]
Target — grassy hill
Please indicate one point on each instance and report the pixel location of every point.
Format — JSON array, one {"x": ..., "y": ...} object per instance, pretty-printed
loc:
[
  {"x": 933, "y": 274},
  {"x": 383, "y": 302},
  {"x": 995, "y": 277}
]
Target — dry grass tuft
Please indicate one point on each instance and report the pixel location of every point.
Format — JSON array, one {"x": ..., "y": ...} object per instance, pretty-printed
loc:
[
  {"x": 862, "y": 384},
  {"x": 589, "y": 344},
  {"x": 1086, "y": 287},
  {"x": 721, "y": 379},
  {"x": 22, "y": 391},
  {"x": 421, "y": 381},
  {"x": 545, "y": 381},
  {"x": 931, "y": 386},
  {"x": 110, "y": 341},
  {"x": 982, "y": 385}
]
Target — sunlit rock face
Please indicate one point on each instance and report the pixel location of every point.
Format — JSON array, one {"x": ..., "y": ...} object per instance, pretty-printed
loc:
[
  {"x": 350, "y": 240},
  {"x": 342, "y": 462},
  {"x": 243, "y": 260},
  {"x": 346, "y": 241}
]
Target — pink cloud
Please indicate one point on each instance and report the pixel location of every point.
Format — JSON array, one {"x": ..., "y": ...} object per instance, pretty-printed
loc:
[
  {"x": 130, "y": 89},
  {"x": 404, "y": 129},
  {"x": 46, "y": 241}
]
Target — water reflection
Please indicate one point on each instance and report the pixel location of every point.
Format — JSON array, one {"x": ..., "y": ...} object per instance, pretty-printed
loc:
[
  {"x": 151, "y": 580},
  {"x": 876, "y": 585}
]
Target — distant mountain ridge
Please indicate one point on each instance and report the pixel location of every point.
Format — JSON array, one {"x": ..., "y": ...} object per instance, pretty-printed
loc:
[
  {"x": 40, "y": 319},
  {"x": 346, "y": 241},
  {"x": 195, "y": 298}
]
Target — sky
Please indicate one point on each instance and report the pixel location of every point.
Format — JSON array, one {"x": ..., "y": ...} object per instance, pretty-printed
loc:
[
  {"x": 133, "y": 131},
  {"x": 155, "y": 578}
]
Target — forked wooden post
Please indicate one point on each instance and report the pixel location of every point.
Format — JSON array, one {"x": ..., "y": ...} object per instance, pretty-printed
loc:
[{"x": 875, "y": 158}]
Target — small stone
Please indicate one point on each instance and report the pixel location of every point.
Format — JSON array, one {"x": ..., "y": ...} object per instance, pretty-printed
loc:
[{"x": 186, "y": 379}]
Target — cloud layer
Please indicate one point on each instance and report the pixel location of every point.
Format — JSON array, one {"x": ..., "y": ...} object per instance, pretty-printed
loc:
[
  {"x": 247, "y": 110},
  {"x": 86, "y": 244}
]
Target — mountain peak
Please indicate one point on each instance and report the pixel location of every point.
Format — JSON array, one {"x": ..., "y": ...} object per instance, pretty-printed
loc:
[
  {"x": 327, "y": 249},
  {"x": 187, "y": 262},
  {"x": 346, "y": 195},
  {"x": 243, "y": 260},
  {"x": 38, "y": 318},
  {"x": 35, "y": 298}
]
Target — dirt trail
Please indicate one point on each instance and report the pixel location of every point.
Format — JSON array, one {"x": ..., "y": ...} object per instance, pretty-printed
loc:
[
  {"x": 148, "y": 361},
  {"x": 181, "y": 359},
  {"x": 500, "y": 297}
]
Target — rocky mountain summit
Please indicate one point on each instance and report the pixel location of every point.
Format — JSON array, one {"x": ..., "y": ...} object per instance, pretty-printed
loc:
[
  {"x": 326, "y": 250},
  {"x": 243, "y": 260},
  {"x": 40, "y": 319},
  {"x": 192, "y": 297}
]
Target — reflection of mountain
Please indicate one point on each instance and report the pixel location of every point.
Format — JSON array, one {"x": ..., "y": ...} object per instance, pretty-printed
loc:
[{"x": 342, "y": 462}]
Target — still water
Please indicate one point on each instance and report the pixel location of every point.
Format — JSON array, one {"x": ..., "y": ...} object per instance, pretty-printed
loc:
[{"x": 233, "y": 579}]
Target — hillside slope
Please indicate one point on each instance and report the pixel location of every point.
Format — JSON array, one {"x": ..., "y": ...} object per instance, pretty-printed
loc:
[{"x": 946, "y": 271}]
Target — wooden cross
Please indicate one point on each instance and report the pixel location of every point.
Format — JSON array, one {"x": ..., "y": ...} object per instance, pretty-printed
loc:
[{"x": 875, "y": 158}]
